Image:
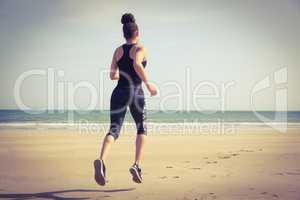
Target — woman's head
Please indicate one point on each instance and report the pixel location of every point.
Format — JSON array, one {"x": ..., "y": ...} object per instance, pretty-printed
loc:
[{"x": 130, "y": 28}]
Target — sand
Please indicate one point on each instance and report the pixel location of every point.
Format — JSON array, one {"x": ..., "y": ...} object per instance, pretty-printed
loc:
[{"x": 58, "y": 164}]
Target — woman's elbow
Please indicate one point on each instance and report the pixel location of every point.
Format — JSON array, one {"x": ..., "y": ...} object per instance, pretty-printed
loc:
[
  {"x": 137, "y": 67},
  {"x": 114, "y": 76}
]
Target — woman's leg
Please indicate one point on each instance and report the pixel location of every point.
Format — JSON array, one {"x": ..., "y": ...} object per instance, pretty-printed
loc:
[
  {"x": 107, "y": 142},
  {"x": 137, "y": 110},
  {"x": 118, "y": 107},
  {"x": 139, "y": 148}
]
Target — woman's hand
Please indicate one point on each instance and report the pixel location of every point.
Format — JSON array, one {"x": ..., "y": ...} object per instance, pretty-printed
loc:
[{"x": 151, "y": 88}]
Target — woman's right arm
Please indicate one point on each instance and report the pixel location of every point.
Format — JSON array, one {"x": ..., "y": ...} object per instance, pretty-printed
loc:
[{"x": 114, "y": 70}]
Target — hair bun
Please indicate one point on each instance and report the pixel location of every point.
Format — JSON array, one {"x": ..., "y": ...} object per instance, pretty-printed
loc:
[{"x": 127, "y": 18}]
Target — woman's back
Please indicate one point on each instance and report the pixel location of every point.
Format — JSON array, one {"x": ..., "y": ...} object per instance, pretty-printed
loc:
[{"x": 128, "y": 75}]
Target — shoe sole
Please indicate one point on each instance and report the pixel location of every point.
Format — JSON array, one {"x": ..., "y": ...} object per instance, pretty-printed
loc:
[
  {"x": 99, "y": 177},
  {"x": 135, "y": 175}
]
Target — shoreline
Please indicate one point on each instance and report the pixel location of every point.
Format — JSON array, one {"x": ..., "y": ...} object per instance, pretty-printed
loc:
[{"x": 189, "y": 128}]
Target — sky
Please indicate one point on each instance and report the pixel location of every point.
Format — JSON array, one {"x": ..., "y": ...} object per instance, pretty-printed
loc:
[{"x": 195, "y": 48}]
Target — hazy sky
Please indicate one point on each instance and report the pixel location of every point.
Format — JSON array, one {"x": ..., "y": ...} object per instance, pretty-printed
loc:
[{"x": 243, "y": 41}]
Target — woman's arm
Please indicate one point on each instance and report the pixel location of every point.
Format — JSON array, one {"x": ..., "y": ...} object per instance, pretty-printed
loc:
[
  {"x": 114, "y": 70},
  {"x": 139, "y": 68}
]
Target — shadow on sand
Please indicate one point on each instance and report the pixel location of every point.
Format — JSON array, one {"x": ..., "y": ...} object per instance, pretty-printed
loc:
[{"x": 52, "y": 194}]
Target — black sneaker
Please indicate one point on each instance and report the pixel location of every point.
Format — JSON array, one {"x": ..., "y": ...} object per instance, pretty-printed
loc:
[
  {"x": 136, "y": 173},
  {"x": 99, "y": 172}
]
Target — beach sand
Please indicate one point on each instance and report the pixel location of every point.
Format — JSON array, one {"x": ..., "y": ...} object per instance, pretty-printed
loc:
[{"x": 58, "y": 164}]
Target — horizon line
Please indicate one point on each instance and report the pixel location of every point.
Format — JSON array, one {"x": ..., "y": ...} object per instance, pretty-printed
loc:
[{"x": 261, "y": 110}]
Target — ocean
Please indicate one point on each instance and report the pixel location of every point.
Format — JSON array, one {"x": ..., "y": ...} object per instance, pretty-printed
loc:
[
  {"x": 98, "y": 116},
  {"x": 174, "y": 119}
]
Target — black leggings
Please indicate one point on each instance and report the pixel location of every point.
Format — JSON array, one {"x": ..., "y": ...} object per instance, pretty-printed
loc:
[{"x": 121, "y": 98}]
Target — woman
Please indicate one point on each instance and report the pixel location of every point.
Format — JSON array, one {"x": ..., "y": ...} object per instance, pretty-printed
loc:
[{"x": 128, "y": 63}]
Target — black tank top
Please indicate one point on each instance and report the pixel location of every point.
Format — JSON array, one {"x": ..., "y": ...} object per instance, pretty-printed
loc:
[{"x": 128, "y": 76}]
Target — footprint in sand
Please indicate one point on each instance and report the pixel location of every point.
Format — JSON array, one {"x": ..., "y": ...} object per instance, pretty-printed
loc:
[
  {"x": 169, "y": 167},
  {"x": 212, "y": 162},
  {"x": 100, "y": 197},
  {"x": 205, "y": 157},
  {"x": 176, "y": 177},
  {"x": 274, "y": 196},
  {"x": 227, "y": 156},
  {"x": 195, "y": 168},
  {"x": 187, "y": 161},
  {"x": 279, "y": 174},
  {"x": 163, "y": 177},
  {"x": 246, "y": 150},
  {"x": 293, "y": 173},
  {"x": 209, "y": 196},
  {"x": 264, "y": 193},
  {"x": 224, "y": 157}
]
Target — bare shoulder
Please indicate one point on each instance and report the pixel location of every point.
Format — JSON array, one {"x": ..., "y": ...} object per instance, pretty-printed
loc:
[
  {"x": 118, "y": 49},
  {"x": 118, "y": 52},
  {"x": 140, "y": 48}
]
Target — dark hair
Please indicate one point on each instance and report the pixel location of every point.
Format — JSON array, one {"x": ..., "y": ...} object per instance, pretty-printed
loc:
[{"x": 129, "y": 25}]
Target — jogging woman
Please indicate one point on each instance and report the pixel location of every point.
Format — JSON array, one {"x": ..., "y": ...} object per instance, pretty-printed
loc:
[{"x": 128, "y": 63}]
